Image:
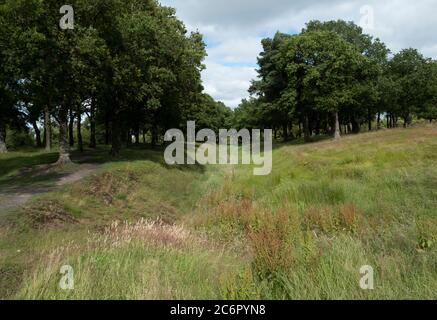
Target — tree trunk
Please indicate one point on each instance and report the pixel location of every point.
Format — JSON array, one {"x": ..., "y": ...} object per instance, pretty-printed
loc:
[
  {"x": 379, "y": 121},
  {"x": 306, "y": 129},
  {"x": 47, "y": 129},
  {"x": 93, "y": 142},
  {"x": 79, "y": 131},
  {"x": 128, "y": 137},
  {"x": 337, "y": 134},
  {"x": 285, "y": 132},
  {"x": 369, "y": 119},
  {"x": 407, "y": 121},
  {"x": 44, "y": 137},
  {"x": 3, "y": 148},
  {"x": 318, "y": 125},
  {"x": 71, "y": 129},
  {"x": 115, "y": 137},
  {"x": 326, "y": 126},
  {"x": 107, "y": 133},
  {"x": 355, "y": 125},
  {"x": 394, "y": 121},
  {"x": 137, "y": 135},
  {"x": 154, "y": 136},
  {"x": 290, "y": 131},
  {"x": 37, "y": 134},
  {"x": 64, "y": 150}
]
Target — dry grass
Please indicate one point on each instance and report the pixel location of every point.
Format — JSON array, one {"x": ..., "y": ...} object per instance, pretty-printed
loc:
[
  {"x": 108, "y": 185},
  {"x": 48, "y": 214},
  {"x": 341, "y": 218},
  {"x": 154, "y": 232}
]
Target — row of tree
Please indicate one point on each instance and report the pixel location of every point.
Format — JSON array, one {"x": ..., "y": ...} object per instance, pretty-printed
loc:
[
  {"x": 333, "y": 78},
  {"x": 128, "y": 67}
]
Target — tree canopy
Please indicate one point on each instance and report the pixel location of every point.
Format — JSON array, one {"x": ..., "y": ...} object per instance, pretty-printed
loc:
[
  {"x": 129, "y": 68},
  {"x": 129, "y": 65},
  {"x": 332, "y": 78}
]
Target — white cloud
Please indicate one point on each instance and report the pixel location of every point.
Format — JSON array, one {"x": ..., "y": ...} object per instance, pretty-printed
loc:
[
  {"x": 236, "y": 50},
  {"x": 234, "y": 29},
  {"x": 228, "y": 84}
]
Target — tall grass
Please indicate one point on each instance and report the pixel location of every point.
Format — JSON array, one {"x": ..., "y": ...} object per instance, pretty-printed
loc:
[
  {"x": 142, "y": 230},
  {"x": 331, "y": 208},
  {"x": 144, "y": 260}
]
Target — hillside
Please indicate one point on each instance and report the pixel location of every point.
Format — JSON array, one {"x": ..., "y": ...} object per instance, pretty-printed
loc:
[{"x": 136, "y": 228}]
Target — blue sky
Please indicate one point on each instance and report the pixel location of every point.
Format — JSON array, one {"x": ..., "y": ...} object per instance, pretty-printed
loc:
[{"x": 233, "y": 30}]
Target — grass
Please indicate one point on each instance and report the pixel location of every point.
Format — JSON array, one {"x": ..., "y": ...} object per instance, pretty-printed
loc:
[
  {"x": 138, "y": 229},
  {"x": 156, "y": 261}
]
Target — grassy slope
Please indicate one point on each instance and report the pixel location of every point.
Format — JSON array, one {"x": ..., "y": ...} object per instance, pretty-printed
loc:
[{"x": 303, "y": 232}]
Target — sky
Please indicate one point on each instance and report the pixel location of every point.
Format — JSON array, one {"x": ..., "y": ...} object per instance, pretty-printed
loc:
[{"x": 233, "y": 30}]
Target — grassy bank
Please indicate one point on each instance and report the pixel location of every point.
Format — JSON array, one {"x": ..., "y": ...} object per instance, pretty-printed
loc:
[{"x": 139, "y": 229}]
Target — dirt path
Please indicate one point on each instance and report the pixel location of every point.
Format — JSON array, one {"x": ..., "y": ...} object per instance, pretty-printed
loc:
[
  {"x": 15, "y": 196},
  {"x": 84, "y": 171}
]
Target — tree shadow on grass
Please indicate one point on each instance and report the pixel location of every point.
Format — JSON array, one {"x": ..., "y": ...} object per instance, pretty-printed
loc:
[
  {"x": 300, "y": 141},
  {"x": 139, "y": 152},
  {"x": 34, "y": 180},
  {"x": 9, "y": 164},
  {"x": 35, "y": 169},
  {"x": 38, "y": 173}
]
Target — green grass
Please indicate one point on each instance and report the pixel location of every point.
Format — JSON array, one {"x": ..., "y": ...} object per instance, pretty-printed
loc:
[
  {"x": 303, "y": 232},
  {"x": 367, "y": 200}
]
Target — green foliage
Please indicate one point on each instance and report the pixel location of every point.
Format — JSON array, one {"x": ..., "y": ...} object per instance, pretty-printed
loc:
[
  {"x": 408, "y": 70},
  {"x": 209, "y": 114},
  {"x": 128, "y": 64},
  {"x": 18, "y": 139},
  {"x": 334, "y": 68},
  {"x": 429, "y": 108}
]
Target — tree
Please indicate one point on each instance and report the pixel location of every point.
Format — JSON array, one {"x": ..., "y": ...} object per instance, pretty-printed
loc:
[
  {"x": 131, "y": 63},
  {"x": 429, "y": 109},
  {"x": 208, "y": 113},
  {"x": 330, "y": 78},
  {"x": 366, "y": 94},
  {"x": 408, "y": 70},
  {"x": 251, "y": 114},
  {"x": 278, "y": 105},
  {"x": 39, "y": 54},
  {"x": 152, "y": 67},
  {"x": 323, "y": 72},
  {"x": 8, "y": 107}
]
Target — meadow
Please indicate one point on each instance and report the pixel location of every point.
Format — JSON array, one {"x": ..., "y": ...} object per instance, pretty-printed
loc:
[{"x": 139, "y": 229}]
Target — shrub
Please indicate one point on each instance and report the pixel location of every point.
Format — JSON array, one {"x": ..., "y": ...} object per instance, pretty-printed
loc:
[
  {"x": 273, "y": 240},
  {"x": 328, "y": 220}
]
